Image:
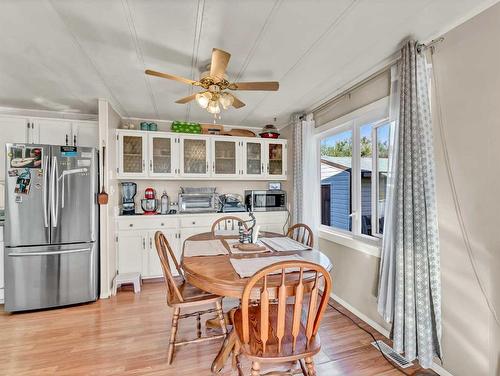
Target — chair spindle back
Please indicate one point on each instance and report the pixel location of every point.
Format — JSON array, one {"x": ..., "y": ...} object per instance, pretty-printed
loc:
[
  {"x": 227, "y": 223},
  {"x": 164, "y": 251},
  {"x": 301, "y": 233},
  {"x": 303, "y": 277}
]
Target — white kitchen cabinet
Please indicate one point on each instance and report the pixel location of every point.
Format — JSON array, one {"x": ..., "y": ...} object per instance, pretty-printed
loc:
[
  {"x": 53, "y": 132},
  {"x": 131, "y": 246},
  {"x": 137, "y": 252},
  {"x": 165, "y": 155},
  {"x": 195, "y": 155},
  {"x": 136, "y": 242},
  {"x": 12, "y": 130},
  {"x": 253, "y": 158},
  {"x": 275, "y": 159},
  {"x": 85, "y": 133},
  {"x": 163, "y": 152},
  {"x": 132, "y": 151},
  {"x": 226, "y": 157}
]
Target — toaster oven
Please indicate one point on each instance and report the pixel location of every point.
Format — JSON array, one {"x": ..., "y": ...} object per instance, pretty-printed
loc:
[{"x": 197, "y": 200}]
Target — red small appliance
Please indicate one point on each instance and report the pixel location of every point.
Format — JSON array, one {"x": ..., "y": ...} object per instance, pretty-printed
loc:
[
  {"x": 149, "y": 193},
  {"x": 149, "y": 203}
]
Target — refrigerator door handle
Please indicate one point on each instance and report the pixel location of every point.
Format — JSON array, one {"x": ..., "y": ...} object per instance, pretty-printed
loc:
[
  {"x": 44, "y": 192},
  {"x": 54, "y": 192},
  {"x": 19, "y": 254}
]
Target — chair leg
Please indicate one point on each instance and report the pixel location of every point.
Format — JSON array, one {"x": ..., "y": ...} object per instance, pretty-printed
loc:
[
  {"x": 255, "y": 369},
  {"x": 198, "y": 325},
  {"x": 311, "y": 371},
  {"x": 220, "y": 314},
  {"x": 173, "y": 333},
  {"x": 302, "y": 367}
]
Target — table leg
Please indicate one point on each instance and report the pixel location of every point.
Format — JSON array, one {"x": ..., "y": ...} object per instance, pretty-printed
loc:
[
  {"x": 225, "y": 351},
  {"x": 228, "y": 346}
]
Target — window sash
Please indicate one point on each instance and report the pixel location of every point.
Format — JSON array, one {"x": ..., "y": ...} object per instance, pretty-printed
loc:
[
  {"x": 376, "y": 178},
  {"x": 355, "y": 127}
]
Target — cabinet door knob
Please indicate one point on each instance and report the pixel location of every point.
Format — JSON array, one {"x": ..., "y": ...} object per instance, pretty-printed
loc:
[
  {"x": 74, "y": 140},
  {"x": 66, "y": 140},
  {"x": 131, "y": 225},
  {"x": 162, "y": 224},
  {"x": 194, "y": 222}
]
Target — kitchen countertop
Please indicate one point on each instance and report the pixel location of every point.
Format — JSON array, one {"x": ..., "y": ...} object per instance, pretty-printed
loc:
[{"x": 191, "y": 214}]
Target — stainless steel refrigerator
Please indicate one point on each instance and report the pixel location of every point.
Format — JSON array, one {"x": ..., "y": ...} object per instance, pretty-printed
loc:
[{"x": 51, "y": 226}]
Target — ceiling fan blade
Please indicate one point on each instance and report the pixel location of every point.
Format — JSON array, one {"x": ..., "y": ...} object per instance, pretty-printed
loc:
[
  {"x": 218, "y": 66},
  {"x": 186, "y": 99},
  {"x": 236, "y": 102},
  {"x": 264, "y": 86},
  {"x": 170, "y": 77}
]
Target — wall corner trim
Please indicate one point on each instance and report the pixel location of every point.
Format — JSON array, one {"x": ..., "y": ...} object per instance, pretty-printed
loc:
[{"x": 435, "y": 367}]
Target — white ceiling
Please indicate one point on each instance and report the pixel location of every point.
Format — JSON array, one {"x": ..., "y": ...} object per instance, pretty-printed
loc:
[{"x": 64, "y": 54}]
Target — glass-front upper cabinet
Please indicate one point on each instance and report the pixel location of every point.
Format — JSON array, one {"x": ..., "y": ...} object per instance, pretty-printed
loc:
[
  {"x": 163, "y": 155},
  {"x": 225, "y": 161},
  {"x": 132, "y": 148},
  {"x": 253, "y": 158},
  {"x": 276, "y": 158},
  {"x": 194, "y": 156}
]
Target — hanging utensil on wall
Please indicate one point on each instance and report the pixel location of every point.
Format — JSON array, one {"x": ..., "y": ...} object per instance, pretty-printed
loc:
[{"x": 102, "y": 197}]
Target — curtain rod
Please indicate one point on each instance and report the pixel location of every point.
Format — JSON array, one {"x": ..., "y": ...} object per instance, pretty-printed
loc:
[
  {"x": 421, "y": 47},
  {"x": 425, "y": 46}
]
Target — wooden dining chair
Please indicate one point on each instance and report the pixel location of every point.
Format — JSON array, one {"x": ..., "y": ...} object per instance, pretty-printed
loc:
[
  {"x": 181, "y": 294},
  {"x": 275, "y": 330},
  {"x": 227, "y": 223},
  {"x": 301, "y": 233}
]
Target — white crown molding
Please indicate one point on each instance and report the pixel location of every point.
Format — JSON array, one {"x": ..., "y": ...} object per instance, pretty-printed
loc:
[{"x": 32, "y": 113}]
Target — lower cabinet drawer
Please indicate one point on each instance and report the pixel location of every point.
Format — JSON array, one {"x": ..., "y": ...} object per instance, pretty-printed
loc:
[
  {"x": 202, "y": 221},
  {"x": 147, "y": 223}
]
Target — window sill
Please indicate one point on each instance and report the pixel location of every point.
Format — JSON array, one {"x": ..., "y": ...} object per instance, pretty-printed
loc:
[{"x": 370, "y": 247}]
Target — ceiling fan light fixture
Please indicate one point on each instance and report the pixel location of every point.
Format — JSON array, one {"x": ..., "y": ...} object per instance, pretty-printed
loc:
[
  {"x": 226, "y": 100},
  {"x": 213, "y": 107},
  {"x": 203, "y": 99}
]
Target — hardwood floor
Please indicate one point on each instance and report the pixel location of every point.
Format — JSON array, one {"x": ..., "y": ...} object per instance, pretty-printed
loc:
[{"x": 128, "y": 335}]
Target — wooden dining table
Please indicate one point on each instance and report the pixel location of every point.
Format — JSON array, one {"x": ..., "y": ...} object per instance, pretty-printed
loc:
[{"x": 215, "y": 274}]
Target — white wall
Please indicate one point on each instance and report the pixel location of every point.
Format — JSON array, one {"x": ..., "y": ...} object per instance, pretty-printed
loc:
[
  {"x": 468, "y": 84},
  {"x": 109, "y": 121},
  {"x": 467, "y": 64}
]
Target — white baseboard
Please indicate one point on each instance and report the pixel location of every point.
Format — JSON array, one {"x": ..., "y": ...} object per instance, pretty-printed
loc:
[
  {"x": 435, "y": 367},
  {"x": 440, "y": 370},
  {"x": 362, "y": 316}
]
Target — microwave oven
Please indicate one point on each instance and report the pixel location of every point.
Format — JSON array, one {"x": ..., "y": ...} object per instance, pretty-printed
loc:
[{"x": 269, "y": 200}]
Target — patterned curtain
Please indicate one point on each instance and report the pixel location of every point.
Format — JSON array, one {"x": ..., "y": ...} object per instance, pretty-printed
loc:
[
  {"x": 298, "y": 166},
  {"x": 410, "y": 277}
]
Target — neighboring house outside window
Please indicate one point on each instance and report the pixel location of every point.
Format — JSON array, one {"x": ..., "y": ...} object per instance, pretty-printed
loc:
[{"x": 354, "y": 162}]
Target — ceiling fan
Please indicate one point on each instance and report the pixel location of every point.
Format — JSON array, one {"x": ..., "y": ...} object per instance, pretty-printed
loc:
[{"x": 214, "y": 82}]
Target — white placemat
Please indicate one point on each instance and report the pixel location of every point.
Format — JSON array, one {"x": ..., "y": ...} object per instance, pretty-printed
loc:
[
  {"x": 247, "y": 267},
  {"x": 283, "y": 244},
  {"x": 194, "y": 248}
]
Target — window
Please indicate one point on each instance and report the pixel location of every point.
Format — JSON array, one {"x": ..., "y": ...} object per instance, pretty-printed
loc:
[{"x": 354, "y": 161}]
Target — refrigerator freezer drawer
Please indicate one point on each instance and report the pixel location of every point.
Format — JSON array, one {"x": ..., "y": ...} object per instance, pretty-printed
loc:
[{"x": 50, "y": 276}]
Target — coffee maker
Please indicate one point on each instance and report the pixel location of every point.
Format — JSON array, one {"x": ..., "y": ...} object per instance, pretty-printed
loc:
[{"x": 129, "y": 190}]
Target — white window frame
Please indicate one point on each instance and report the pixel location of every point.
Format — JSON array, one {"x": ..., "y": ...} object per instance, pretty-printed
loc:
[
  {"x": 375, "y": 177},
  {"x": 378, "y": 113}
]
